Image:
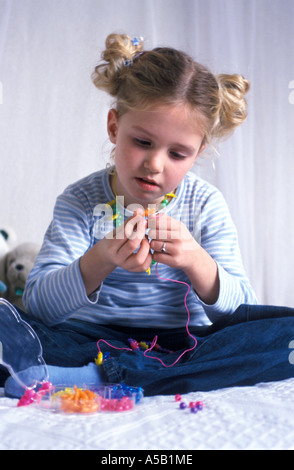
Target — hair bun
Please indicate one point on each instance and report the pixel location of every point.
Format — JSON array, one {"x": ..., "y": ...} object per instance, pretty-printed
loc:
[
  {"x": 119, "y": 48},
  {"x": 233, "y": 106}
]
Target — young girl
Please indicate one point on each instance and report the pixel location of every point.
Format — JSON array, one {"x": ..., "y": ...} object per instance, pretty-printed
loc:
[{"x": 146, "y": 251}]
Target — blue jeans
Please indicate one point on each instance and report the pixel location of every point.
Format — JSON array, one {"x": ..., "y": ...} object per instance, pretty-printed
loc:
[{"x": 248, "y": 347}]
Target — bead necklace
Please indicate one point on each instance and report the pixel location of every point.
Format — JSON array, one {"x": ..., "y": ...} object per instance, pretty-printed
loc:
[{"x": 118, "y": 218}]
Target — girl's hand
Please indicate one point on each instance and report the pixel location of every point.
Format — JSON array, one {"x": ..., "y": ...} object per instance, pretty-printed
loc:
[
  {"x": 183, "y": 252},
  {"x": 126, "y": 247},
  {"x": 180, "y": 246}
]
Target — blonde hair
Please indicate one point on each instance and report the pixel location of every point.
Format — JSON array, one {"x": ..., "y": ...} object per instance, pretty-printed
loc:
[{"x": 140, "y": 79}]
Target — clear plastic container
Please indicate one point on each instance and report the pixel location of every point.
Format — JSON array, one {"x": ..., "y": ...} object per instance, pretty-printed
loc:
[{"x": 91, "y": 399}]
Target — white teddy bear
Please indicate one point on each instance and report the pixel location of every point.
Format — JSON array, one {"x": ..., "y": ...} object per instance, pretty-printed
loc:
[
  {"x": 15, "y": 267},
  {"x": 7, "y": 236},
  {"x": 3, "y": 251}
]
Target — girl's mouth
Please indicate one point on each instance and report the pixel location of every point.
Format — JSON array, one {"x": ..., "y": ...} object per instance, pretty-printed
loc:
[{"x": 146, "y": 183}]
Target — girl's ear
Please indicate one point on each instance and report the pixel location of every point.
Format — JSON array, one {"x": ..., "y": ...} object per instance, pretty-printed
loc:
[
  {"x": 202, "y": 147},
  {"x": 112, "y": 125}
]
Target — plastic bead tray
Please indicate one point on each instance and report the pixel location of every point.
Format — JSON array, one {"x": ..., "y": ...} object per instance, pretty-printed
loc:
[{"x": 91, "y": 399}]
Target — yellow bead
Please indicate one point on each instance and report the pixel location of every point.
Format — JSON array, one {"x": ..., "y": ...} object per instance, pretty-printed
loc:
[
  {"x": 99, "y": 359},
  {"x": 111, "y": 202}
]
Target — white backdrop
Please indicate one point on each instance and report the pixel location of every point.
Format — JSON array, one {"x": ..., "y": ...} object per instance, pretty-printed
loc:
[{"x": 53, "y": 120}]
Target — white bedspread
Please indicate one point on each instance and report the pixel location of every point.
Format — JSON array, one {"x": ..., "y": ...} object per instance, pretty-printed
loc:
[{"x": 259, "y": 417}]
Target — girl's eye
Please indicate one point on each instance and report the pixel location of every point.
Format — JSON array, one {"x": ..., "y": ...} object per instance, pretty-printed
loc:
[
  {"x": 177, "y": 155},
  {"x": 147, "y": 144},
  {"x": 142, "y": 142}
]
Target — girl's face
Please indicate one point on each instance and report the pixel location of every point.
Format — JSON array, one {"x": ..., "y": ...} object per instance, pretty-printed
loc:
[{"x": 154, "y": 151}]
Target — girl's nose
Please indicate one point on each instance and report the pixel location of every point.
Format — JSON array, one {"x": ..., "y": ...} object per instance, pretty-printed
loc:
[{"x": 154, "y": 162}]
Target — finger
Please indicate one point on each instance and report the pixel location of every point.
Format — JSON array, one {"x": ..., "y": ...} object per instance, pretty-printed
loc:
[
  {"x": 160, "y": 246},
  {"x": 141, "y": 260},
  {"x": 162, "y": 220},
  {"x": 164, "y": 234},
  {"x": 143, "y": 255},
  {"x": 135, "y": 227},
  {"x": 167, "y": 228},
  {"x": 134, "y": 239},
  {"x": 119, "y": 232}
]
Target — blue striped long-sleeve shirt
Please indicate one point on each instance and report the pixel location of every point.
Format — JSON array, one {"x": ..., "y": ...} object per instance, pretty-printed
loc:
[{"x": 55, "y": 290}]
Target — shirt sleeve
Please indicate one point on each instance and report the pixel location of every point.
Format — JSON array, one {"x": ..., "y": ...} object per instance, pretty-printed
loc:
[
  {"x": 55, "y": 288},
  {"x": 219, "y": 238}
]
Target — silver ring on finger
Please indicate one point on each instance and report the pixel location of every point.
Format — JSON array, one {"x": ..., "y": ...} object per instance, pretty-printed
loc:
[{"x": 163, "y": 249}]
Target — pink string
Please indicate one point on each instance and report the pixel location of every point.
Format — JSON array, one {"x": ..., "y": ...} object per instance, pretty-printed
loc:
[
  {"x": 110, "y": 345},
  {"x": 155, "y": 338}
]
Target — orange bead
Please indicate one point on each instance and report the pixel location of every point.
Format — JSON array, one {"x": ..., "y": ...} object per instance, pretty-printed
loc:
[{"x": 149, "y": 212}]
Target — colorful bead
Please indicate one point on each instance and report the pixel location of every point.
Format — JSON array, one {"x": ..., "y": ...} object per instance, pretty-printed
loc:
[
  {"x": 118, "y": 221},
  {"x": 164, "y": 203},
  {"x": 192, "y": 404},
  {"x": 29, "y": 397},
  {"x": 78, "y": 400},
  {"x": 150, "y": 211},
  {"x": 19, "y": 292},
  {"x": 134, "y": 344},
  {"x": 113, "y": 404},
  {"x": 114, "y": 394},
  {"x": 99, "y": 359}
]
